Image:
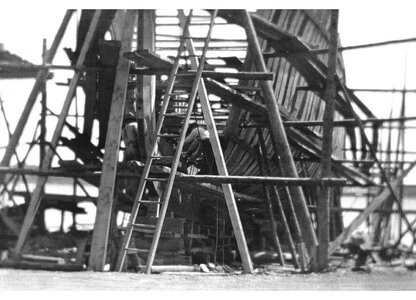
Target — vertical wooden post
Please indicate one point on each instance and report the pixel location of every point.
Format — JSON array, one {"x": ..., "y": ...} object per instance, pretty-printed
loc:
[
  {"x": 46, "y": 163},
  {"x": 402, "y": 152},
  {"x": 146, "y": 84},
  {"x": 279, "y": 135},
  {"x": 42, "y": 134},
  {"x": 112, "y": 148},
  {"x": 323, "y": 201},
  {"x": 40, "y": 81}
]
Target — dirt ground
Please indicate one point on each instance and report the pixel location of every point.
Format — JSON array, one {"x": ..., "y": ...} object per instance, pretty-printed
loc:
[{"x": 342, "y": 279}]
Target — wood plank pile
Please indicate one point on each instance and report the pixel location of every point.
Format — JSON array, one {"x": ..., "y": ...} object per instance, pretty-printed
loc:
[{"x": 171, "y": 249}]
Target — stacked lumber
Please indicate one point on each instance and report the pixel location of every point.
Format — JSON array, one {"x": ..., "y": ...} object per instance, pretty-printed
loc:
[{"x": 171, "y": 249}]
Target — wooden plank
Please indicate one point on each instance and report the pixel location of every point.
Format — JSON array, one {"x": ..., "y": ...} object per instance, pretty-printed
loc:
[
  {"x": 37, "y": 193},
  {"x": 238, "y": 75},
  {"x": 230, "y": 95},
  {"x": 174, "y": 225},
  {"x": 37, "y": 87},
  {"x": 147, "y": 56},
  {"x": 220, "y": 162},
  {"x": 112, "y": 147},
  {"x": 214, "y": 190},
  {"x": 284, "y": 181}
]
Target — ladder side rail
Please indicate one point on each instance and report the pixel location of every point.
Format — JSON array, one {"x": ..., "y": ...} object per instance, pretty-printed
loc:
[
  {"x": 146, "y": 170},
  {"x": 171, "y": 179},
  {"x": 221, "y": 166}
]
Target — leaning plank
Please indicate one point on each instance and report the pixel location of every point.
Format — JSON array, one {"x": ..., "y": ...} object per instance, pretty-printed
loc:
[
  {"x": 112, "y": 146},
  {"x": 220, "y": 162},
  {"x": 374, "y": 204},
  {"x": 279, "y": 136}
]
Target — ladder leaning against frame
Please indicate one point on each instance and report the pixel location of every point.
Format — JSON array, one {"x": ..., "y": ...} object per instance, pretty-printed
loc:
[{"x": 198, "y": 87}]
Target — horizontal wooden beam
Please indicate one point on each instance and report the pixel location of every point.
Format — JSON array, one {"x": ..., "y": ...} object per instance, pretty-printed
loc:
[
  {"x": 188, "y": 178},
  {"x": 284, "y": 181},
  {"x": 352, "y": 209},
  {"x": 338, "y": 123},
  {"x": 384, "y": 90},
  {"x": 346, "y": 48},
  {"x": 238, "y": 75},
  {"x": 347, "y": 122}
]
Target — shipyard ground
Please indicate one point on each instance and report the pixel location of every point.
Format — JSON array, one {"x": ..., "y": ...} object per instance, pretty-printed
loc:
[{"x": 379, "y": 278}]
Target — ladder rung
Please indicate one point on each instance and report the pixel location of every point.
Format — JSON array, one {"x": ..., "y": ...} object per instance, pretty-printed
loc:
[
  {"x": 184, "y": 100},
  {"x": 168, "y": 135},
  {"x": 156, "y": 179},
  {"x": 149, "y": 201},
  {"x": 148, "y": 226},
  {"x": 162, "y": 157},
  {"x": 144, "y": 230},
  {"x": 179, "y": 93},
  {"x": 136, "y": 250},
  {"x": 162, "y": 160},
  {"x": 174, "y": 114}
]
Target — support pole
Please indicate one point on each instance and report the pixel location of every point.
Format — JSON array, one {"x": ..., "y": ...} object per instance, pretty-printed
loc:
[
  {"x": 279, "y": 135},
  {"x": 112, "y": 147},
  {"x": 324, "y": 199},
  {"x": 41, "y": 78},
  {"x": 46, "y": 163}
]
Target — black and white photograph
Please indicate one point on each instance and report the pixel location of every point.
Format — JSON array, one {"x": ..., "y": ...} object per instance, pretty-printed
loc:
[{"x": 208, "y": 147}]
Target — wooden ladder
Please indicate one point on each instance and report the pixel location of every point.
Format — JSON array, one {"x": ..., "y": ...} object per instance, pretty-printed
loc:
[{"x": 197, "y": 87}]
